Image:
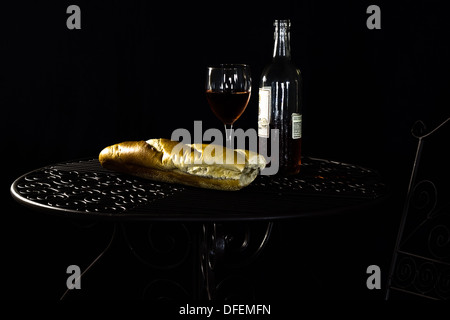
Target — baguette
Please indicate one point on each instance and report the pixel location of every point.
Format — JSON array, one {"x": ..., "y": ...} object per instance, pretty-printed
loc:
[{"x": 197, "y": 165}]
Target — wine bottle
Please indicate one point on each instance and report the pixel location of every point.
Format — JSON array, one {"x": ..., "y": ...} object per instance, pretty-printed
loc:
[{"x": 280, "y": 110}]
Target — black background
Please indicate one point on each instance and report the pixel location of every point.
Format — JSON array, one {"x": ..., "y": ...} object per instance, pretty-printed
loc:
[{"x": 136, "y": 70}]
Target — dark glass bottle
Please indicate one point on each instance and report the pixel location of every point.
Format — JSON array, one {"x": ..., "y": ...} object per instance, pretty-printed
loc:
[{"x": 280, "y": 106}]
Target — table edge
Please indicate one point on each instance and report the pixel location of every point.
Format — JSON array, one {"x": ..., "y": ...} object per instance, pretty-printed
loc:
[{"x": 162, "y": 216}]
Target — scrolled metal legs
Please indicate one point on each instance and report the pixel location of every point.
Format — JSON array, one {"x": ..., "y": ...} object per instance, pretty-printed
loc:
[
  {"x": 113, "y": 236},
  {"x": 161, "y": 246},
  {"x": 229, "y": 245},
  {"x": 218, "y": 252}
]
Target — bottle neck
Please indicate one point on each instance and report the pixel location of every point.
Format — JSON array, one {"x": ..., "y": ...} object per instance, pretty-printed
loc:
[{"x": 282, "y": 37}]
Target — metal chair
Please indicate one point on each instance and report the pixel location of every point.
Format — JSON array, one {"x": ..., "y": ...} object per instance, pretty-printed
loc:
[{"x": 420, "y": 265}]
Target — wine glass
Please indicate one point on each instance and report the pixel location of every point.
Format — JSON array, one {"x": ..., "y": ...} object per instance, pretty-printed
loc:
[{"x": 228, "y": 89}]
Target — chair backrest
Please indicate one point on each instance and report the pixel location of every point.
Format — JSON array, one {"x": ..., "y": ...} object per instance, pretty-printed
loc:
[{"x": 420, "y": 266}]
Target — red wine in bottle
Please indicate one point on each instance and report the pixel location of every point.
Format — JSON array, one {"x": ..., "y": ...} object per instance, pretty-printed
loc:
[{"x": 280, "y": 106}]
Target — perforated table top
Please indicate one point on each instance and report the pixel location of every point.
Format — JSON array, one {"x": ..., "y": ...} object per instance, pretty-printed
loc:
[{"x": 84, "y": 189}]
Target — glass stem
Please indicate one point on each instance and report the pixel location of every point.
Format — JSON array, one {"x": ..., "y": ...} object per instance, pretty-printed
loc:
[{"x": 229, "y": 136}]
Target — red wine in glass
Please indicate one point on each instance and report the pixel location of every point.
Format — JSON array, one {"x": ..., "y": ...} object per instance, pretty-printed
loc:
[
  {"x": 228, "y": 90},
  {"x": 228, "y": 106}
]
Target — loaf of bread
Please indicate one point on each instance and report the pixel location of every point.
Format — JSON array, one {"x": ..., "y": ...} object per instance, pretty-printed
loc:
[{"x": 198, "y": 165}]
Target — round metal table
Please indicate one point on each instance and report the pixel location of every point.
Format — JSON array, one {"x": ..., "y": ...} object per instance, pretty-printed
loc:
[{"x": 83, "y": 189}]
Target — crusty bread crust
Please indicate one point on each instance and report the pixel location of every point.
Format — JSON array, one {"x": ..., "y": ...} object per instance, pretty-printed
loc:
[{"x": 155, "y": 160}]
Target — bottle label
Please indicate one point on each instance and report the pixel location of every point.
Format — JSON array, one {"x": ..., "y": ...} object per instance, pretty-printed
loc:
[
  {"x": 296, "y": 126},
  {"x": 264, "y": 111}
]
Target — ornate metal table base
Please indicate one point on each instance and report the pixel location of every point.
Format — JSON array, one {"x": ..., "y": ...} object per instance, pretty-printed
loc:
[
  {"x": 167, "y": 246},
  {"x": 220, "y": 247}
]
